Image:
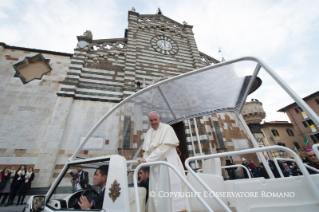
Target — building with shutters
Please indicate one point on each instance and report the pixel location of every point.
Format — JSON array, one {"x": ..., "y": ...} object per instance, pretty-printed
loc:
[{"x": 303, "y": 125}]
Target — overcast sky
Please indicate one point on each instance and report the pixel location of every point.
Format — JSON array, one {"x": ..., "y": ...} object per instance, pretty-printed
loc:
[{"x": 284, "y": 34}]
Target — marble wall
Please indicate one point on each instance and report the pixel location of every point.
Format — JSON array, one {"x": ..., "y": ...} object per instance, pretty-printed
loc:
[{"x": 30, "y": 124}]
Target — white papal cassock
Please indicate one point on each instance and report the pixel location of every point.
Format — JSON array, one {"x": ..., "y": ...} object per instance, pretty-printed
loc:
[{"x": 159, "y": 145}]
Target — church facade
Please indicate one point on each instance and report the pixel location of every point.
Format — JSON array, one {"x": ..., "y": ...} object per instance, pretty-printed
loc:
[{"x": 50, "y": 100}]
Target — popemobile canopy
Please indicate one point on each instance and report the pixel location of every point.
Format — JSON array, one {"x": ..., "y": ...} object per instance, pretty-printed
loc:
[{"x": 216, "y": 88}]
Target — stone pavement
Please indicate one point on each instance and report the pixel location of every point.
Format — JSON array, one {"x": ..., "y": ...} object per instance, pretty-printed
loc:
[{"x": 12, "y": 208}]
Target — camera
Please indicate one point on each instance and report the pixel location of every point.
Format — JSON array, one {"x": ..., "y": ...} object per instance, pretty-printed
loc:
[{"x": 74, "y": 176}]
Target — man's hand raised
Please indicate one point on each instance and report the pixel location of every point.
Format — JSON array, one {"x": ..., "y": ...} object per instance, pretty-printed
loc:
[{"x": 84, "y": 203}]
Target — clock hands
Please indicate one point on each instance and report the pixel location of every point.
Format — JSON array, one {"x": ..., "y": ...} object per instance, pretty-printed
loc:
[{"x": 164, "y": 45}]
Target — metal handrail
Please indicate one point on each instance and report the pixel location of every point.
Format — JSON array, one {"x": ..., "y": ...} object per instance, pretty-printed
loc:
[
  {"x": 201, "y": 200},
  {"x": 238, "y": 165},
  {"x": 312, "y": 184},
  {"x": 312, "y": 168},
  {"x": 135, "y": 155},
  {"x": 315, "y": 148}
]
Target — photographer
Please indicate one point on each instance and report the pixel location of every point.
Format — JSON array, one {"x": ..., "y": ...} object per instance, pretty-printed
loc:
[
  {"x": 80, "y": 180},
  {"x": 231, "y": 171}
]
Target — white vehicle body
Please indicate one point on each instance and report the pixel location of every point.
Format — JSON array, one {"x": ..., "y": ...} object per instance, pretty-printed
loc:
[{"x": 213, "y": 89}]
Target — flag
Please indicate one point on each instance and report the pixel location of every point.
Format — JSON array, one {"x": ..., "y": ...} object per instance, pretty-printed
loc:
[
  {"x": 313, "y": 129},
  {"x": 303, "y": 113},
  {"x": 306, "y": 140}
]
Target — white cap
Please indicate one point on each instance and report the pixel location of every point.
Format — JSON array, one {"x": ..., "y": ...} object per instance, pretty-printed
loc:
[{"x": 243, "y": 159}]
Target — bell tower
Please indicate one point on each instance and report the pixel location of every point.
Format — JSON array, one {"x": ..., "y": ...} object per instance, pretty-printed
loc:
[
  {"x": 154, "y": 47},
  {"x": 158, "y": 47}
]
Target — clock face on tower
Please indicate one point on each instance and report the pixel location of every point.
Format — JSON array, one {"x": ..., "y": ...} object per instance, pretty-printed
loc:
[{"x": 164, "y": 44}]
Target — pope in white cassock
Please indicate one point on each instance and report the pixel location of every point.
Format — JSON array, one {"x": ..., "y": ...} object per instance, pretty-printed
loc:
[{"x": 159, "y": 145}]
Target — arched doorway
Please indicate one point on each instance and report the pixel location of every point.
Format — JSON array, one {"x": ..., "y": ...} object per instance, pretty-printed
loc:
[{"x": 179, "y": 129}]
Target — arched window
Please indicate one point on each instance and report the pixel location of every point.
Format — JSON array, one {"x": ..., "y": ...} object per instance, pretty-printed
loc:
[
  {"x": 290, "y": 132},
  {"x": 138, "y": 85}
]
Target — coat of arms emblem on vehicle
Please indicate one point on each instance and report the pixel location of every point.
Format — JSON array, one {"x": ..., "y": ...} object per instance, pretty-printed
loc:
[{"x": 115, "y": 190}]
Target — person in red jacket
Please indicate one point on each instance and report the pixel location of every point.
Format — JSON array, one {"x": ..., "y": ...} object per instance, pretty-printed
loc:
[{"x": 253, "y": 168}]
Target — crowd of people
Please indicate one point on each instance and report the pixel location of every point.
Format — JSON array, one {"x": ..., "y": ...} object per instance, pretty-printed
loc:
[
  {"x": 15, "y": 182},
  {"x": 288, "y": 168}
]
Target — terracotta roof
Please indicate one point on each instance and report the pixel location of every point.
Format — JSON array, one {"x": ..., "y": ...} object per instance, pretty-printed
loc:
[{"x": 277, "y": 123}]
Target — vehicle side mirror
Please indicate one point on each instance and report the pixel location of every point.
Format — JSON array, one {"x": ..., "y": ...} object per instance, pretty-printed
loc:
[{"x": 37, "y": 203}]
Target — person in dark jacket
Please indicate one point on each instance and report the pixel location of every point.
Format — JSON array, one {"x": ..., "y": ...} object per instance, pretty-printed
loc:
[
  {"x": 17, "y": 180},
  {"x": 100, "y": 178},
  {"x": 25, "y": 186},
  {"x": 81, "y": 179},
  {"x": 295, "y": 169},
  {"x": 287, "y": 172},
  {"x": 272, "y": 167},
  {"x": 143, "y": 174},
  {"x": 231, "y": 171},
  {"x": 5, "y": 183},
  {"x": 262, "y": 172}
]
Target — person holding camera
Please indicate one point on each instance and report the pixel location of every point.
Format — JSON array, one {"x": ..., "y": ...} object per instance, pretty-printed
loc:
[{"x": 80, "y": 180}]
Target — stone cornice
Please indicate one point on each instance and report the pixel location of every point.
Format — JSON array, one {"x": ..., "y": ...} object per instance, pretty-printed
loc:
[
  {"x": 163, "y": 17},
  {"x": 110, "y": 40},
  {"x": 294, "y": 104},
  {"x": 35, "y": 50},
  {"x": 208, "y": 58}
]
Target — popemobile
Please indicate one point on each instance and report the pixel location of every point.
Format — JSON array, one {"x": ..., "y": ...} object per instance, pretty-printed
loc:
[{"x": 177, "y": 99}]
